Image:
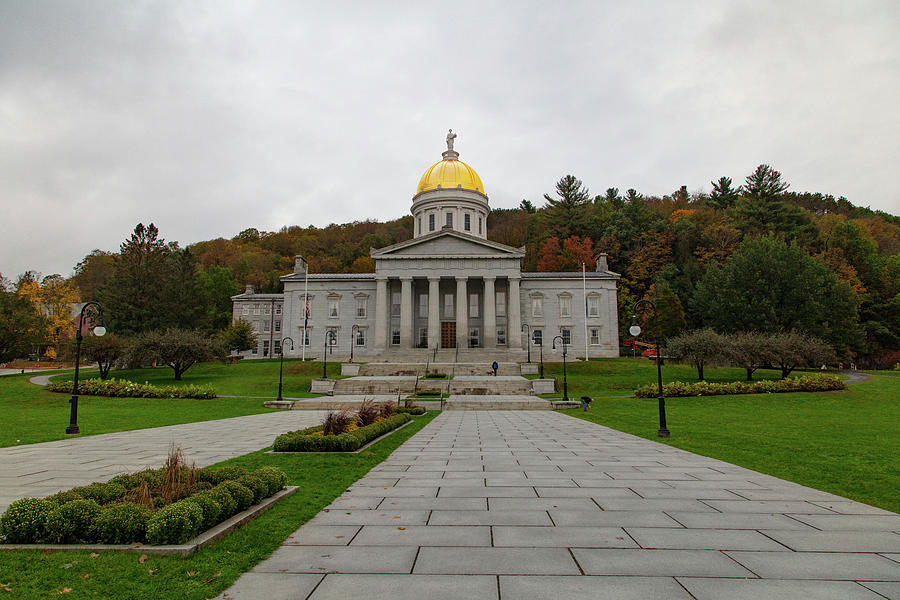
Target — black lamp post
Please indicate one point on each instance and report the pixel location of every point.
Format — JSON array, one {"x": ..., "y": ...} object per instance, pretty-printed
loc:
[
  {"x": 352, "y": 340},
  {"x": 635, "y": 330},
  {"x": 281, "y": 363},
  {"x": 99, "y": 330},
  {"x": 527, "y": 328},
  {"x": 541, "y": 345},
  {"x": 565, "y": 383},
  {"x": 330, "y": 339}
]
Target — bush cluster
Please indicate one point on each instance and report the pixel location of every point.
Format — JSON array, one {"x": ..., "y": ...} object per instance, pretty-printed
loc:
[
  {"x": 807, "y": 383},
  {"x": 411, "y": 410},
  {"x": 119, "y": 388},
  {"x": 304, "y": 441},
  {"x": 119, "y": 511}
]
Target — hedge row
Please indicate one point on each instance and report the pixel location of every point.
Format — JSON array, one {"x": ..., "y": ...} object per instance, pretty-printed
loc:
[
  {"x": 807, "y": 383},
  {"x": 410, "y": 410},
  {"x": 302, "y": 441},
  {"x": 119, "y": 388},
  {"x": 78, "y": 515}
]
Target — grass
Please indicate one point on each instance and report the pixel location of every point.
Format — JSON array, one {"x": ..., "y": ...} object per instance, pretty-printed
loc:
[
  {"x": 32, "y": 414},
  {"x": 842, "y": 442},
  {"x": 119, "y": 575}
]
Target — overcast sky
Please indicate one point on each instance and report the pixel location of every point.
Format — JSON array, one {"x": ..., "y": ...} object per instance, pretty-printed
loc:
[{"x": 207, "y": 118}]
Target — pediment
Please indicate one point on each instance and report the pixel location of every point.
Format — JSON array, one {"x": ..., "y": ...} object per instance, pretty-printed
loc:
[{"x": 445, "y": 244}]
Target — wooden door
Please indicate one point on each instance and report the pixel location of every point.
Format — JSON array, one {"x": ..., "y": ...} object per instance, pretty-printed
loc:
[{"x": 448, "y": 334}]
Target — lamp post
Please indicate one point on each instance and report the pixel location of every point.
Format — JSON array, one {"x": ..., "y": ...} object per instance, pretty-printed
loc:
[
  {"x": 99, "y": 330},
  {"x": 281, "y": 363},
  {"x": 352, "y": 340},
  {"x": 527, "y": 329},
  {"x": 330, "y": 339},
  {"x": 541, "y": 345},
  {"x": 565, "y": 383},
  {"x": 635, "y": 330}
]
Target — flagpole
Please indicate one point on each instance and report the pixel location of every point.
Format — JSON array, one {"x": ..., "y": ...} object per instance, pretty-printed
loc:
[
  {"x": 584, "y": 291},
  {"x": 305, "y": 315}
]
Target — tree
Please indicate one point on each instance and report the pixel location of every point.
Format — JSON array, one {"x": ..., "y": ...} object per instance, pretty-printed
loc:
[
  {"x": 565, "y": 215},
  {"x": 527, "y": 206},
  {"x": 21, "y": 326},
  {"x": 93, "y": 272},
  {"x": 699, "y": 348},
  {"x": 238, "y": 336},
  {"x": 217, "y": 286},
  {"x": 792, "y": 349},
  {"x": 179, "y": 349},
  {"x": 568, "y": 257},
  {"x": 764, "y": 184},
  {"x": 770, "y": 286},
  {"x": 749, "y": 350},
  {"x": 53, "y": 297},
  {"x": 722, "y": 195},
  {"x": 181, "y": 294},
  {"x": 106, "y": 350}
]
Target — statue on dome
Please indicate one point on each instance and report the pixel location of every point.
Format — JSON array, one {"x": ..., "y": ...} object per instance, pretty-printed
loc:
[{"x": 450, "y": 137}]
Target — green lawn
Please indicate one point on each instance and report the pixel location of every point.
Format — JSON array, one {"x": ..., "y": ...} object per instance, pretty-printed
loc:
[
  {"x": 119, "y": 575},
  {"x": 32, "y": 414},
  {"x": 842, "y": 442}
]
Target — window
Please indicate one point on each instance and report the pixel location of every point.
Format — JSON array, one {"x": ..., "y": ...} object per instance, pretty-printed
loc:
[
  {"x": 268, "y": 310},
  {"x": 419, "y": 225},
  {"x": 473, "y": 305},
  {"x": 360, "y": 336},
  {"x": 595, "y": 336},
  {"x": 254, "y": 351},
  {"x": 423, "y": 337},
  {"x": 423, "y": 305},
  {"x": 395, "y": 304},
  {"x": 467, "y": 222},
  {"x": 257, "y": 325},
  {"x": 565, "y": 306},
  {"x": 256, "y": 309},
  {"x": 448, "y": 306},
  {"x": 538, "y": 336},
  {"x": 593, "y": 305},
  {"x": 277, "y": 347},
  {"x": 334, "y": 305},
  {"x": 277, "y": 325},
  {"x": 305, "y": 336},
  {"x": 278, "y": 310},
  {"x": 479, "y": 225},
  {"x": 537, "y": 306},
  {"x": 449, "y": 219},
  {"x": 473, "y": 337},
  {"x": 500, "y": 298},
  {"x": 265, "y": 348},
  {"x": 267, "y": 326},
  {"x": 246, "y": 310},
  {"x": 566, "y": 335},
  {"x": 395, "y": 337},
  {"x": 501, "y": 336},
  {"x": 431, "y": 222},
  {"x": 361, "y": 307}
]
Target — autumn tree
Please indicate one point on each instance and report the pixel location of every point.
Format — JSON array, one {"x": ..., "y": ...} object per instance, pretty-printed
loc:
[
  {"x": 568, "y": 256},
  {"x": 54, "y": 297}
]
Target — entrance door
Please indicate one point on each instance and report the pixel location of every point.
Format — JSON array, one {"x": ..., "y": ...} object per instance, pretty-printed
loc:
[{"x": 448, "y": 334}]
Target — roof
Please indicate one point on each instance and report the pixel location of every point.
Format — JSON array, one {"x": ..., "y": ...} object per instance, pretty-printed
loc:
[
  {"x": 572, "y": 275},
  {"x": 472, "y": 246}
]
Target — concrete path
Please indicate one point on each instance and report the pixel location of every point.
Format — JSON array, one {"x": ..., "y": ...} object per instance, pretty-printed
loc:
[
  {"x": 535, "y": 504},
  {"x": 42, "y": 469}
]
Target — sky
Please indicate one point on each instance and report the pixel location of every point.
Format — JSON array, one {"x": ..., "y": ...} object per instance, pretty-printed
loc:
[{"x": 210, "y": 117}]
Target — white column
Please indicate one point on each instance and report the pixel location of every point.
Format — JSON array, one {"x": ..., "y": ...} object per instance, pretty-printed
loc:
[
  {"x": 406, "y": 336},
  {"x": 462, "y": 312},
  {"x": 490, "y": 314},
  {"x": 514, "y": 336},
  {"x": 434, "y": 312},
  {"x": 381, "y": 317}
]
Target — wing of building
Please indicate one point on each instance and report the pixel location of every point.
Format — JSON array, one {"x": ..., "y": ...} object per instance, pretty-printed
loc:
[{"x": 448, "y": 287}]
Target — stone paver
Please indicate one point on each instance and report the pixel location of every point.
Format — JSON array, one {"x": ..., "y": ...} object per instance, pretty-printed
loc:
[
  {"x": 46, "y": 468},
  {"x": 535, "y": 504}
]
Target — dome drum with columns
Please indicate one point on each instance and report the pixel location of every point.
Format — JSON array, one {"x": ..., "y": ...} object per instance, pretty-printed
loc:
[{"x": 447, "y": 287}]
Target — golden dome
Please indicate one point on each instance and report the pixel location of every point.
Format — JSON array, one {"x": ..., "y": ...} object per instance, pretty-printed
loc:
[{"x": 450, "y": 174}]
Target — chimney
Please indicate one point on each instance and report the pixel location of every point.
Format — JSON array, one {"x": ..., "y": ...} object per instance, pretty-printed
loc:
[
  {"x": 299, "y": 265},
  {"x": 249, "y": 289},
  {"x": 602, "y": 265}
]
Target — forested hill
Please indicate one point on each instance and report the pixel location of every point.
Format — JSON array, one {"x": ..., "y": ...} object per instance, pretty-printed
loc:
[{"x": 806, "y": 260}]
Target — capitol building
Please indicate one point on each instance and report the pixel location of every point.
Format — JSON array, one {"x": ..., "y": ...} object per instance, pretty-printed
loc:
[{"x": 449, "y": 287}]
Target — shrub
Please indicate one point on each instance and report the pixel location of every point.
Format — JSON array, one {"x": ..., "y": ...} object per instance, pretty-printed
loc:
[
  {"x": 25, "y": 520},
  {"x": 367, "y": 413},
  {"x": 60, "y": 498},
  {"x": 337, "y": 422},
  {"x": 223, "y": 496},
  {"x": 119, "y": 388},
  {"x": 123, "y": 523},
  {"x": 175, "y": 523},
  {"x": 302, "y": 441},
  {"x": 386, "y": 409},
  {"x": 256, "y": 485},
  {"x": 127, "y": 480},
  {"x": 211, "y": 508},
  {"x": 411, "y": 410},
  {"x": 101, "y": 493},
  {"x": 218, "y": 475},
  {"x": 806, "y": 383},
  {"x": 274, "y": 478},
  {"x": 73, "y": 522},
  {"x": 242, "y": 495}
]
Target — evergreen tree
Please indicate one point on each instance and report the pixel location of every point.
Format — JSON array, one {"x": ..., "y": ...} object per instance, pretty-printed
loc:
[
  {"x": 764, "y": 184},
  {"x": 722, "y": 195},
  {"x": 565, "y": 215}
]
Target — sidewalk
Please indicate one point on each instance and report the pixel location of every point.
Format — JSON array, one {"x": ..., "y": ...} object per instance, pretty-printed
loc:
[
  {"x": 42, "y": 469},
  {"x": 535, "y": 504}
]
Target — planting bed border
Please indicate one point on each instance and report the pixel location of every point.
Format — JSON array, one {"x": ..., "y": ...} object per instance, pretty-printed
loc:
[
  {"x": 357, "y": 451},
  {"x": 209, "y": 536}
]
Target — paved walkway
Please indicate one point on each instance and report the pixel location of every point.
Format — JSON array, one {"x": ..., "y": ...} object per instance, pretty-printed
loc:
[
  {"x": 42, "y": 469},
  {"x": 535, "y": 504}
]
